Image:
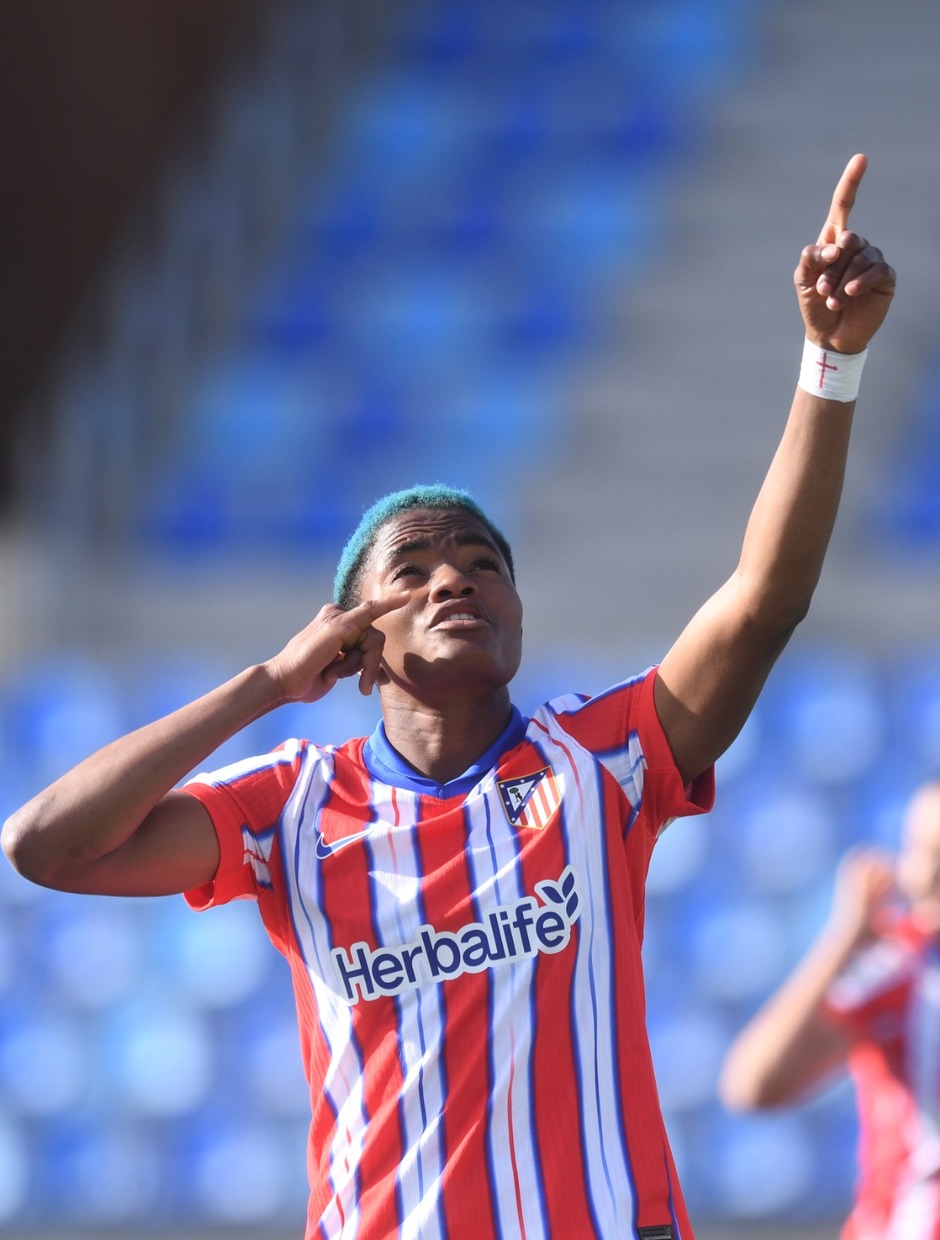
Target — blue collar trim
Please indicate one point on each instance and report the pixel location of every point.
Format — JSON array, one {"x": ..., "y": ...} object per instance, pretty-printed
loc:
[{"x": 386, "y": 764}]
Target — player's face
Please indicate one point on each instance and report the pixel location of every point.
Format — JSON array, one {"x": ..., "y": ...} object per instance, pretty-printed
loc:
[
  {"x": 461, "y": 624},
  {"x": 919, "y": 862}
]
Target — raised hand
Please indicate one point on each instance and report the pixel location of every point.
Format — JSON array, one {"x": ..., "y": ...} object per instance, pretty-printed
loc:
[
  {"x": 843, "y": 284},
  {"x": 334, "y": 645},
  {"x": 864, "y": 883}
]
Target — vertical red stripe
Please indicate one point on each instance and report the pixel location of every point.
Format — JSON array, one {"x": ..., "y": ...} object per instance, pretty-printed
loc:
[
  {"x": 512, "y": 1133},
  {"x": 346, "y": 893},
  {"x": 555, "y": 1102},
  {"x": 657, "y": 1193},
  {"x": 447, "y": 892},
  {"x": 647, "y": 1148}
]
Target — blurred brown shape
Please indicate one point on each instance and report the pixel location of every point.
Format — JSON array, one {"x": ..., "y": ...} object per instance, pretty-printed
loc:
[{"x": 92, "y": 92}]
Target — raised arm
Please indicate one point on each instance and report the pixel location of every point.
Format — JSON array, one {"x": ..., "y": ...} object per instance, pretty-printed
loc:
[
  {"x": 709, "y": 680},
  {"x": 116, "y": 825},
  {"x": 791, "y": 1044}
]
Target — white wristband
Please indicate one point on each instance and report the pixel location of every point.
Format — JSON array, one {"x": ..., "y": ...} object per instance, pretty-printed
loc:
[{"x": 830, "y": 375}]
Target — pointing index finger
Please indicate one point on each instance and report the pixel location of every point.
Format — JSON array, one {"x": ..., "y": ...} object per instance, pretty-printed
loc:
[
  {"x": 843, "y": 200},
  {"x": 364, "y": 613},
  {"x": 379, "y": 606}
]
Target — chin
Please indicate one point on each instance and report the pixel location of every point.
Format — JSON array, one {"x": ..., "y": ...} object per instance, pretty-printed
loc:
[{"x": 476, "y": 666}]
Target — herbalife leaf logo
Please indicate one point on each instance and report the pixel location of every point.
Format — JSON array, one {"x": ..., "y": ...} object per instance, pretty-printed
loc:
[
  {"x": 531, "y": 926},
  {"x": 564, "y": 892}
]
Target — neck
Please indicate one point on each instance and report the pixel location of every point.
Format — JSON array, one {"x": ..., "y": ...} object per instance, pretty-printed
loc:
[{"x": 440, "y": 742}]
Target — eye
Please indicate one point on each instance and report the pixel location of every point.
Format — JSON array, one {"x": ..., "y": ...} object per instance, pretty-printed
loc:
[
  {"x": 406, "y": 570},
  {"x": 487, "y": 562}
]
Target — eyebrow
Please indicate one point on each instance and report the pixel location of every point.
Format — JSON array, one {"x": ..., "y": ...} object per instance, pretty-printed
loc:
[{"x": 469, "y": 538}]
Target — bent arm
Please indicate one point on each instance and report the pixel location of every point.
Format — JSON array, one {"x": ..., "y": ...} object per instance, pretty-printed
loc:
[
  {"x": 116, "y": 824},
  {"x": 789, "y": 1045}
]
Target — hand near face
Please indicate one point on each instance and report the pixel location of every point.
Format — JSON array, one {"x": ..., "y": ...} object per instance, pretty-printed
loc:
[
  {"x": 336, "y": 644},
  {"x": 844, "y": 286},
  {"x": 457, "y": 632},
  {"x": 864, "y": 882}
]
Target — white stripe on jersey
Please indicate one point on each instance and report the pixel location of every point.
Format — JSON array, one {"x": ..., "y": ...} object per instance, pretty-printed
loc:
[
  {"x": 496, "y": 876},
  {"x": 609, "y": 1180},
  {"x": 398, "y": 912},
  {"x": 343, "y": 1084},
  {"x": 874, "y": 970},
  {"x": 914, "y": 1217},
  {"x": 286, "y": 755},
  {"x": 628, "y": 766},
  {"x": 925, "y": 1065}
]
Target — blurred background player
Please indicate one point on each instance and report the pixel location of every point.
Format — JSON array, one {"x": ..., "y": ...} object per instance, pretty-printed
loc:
[{"x": 866, "y": 996}]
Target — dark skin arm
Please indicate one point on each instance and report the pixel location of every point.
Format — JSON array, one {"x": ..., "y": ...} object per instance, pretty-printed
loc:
[
  {"x": 711, "y": 677},
  {"x": 116, "y": 825}
]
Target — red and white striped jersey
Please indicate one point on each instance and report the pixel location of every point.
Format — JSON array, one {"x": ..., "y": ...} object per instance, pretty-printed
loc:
[
  {"x": 466, "y": 966},
  {"x": 888, "y": 1001}
]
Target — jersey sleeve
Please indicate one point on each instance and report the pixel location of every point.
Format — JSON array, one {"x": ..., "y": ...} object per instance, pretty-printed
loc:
[
  {"x": 621, "y": 728},
  {"x": 871, "y": 988},
  {"x": 245, "y": 802}
]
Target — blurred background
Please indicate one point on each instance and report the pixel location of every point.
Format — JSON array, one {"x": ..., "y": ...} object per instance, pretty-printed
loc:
[{"x": 263, "y": 260}]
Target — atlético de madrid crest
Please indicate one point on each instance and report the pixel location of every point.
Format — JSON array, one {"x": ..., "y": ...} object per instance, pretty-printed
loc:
[{"x": 531, "y": 800}]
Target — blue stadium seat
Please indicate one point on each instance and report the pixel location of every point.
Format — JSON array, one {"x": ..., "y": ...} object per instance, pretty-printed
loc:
[
  {"x": 262, "y": 1044},
  {"x": 787, "y": 838},
  {"x": 159, "y": 1060},
  {"x": 579, "y": 217},
  {"x": 688, "y": 1042},
  {"x": 441, "y": 35},
  {"x": 904, "y": 517},
  {"x": 47, "y": 1059},
  {"x": 679, "y": 858},
  {"x": 253, "y": 467},
  {"x": 17, "y": 1171},
  {"x": 92, "y": 951},
  {"x": 738, "y": 947},
  {"x": 102, "y": 1174},
  {"x": 825, "y": 704},
  {"x": 407, "y": 312},
  {"x": 294, "y": 307},
  {"x": 217, "y": 961},
  {"x": 242, "y": 1171},
  {"x": 402, "y": 124},
  {"x": 687, "y": 46},
  {"x": 913, "y": 700},
  {"x": 760, "y": 1166},
  {"x": 58, "y": 710}
]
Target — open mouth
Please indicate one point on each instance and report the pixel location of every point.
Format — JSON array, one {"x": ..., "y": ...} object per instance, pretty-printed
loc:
[{"x": 459, "y": 619}]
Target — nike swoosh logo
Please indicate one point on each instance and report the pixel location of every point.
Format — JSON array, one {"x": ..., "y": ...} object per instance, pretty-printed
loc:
[{"x": 326, "y": 848}]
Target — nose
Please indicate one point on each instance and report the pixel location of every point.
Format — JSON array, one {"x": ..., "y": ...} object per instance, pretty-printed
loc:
[{"x": 450, "y": 582}]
